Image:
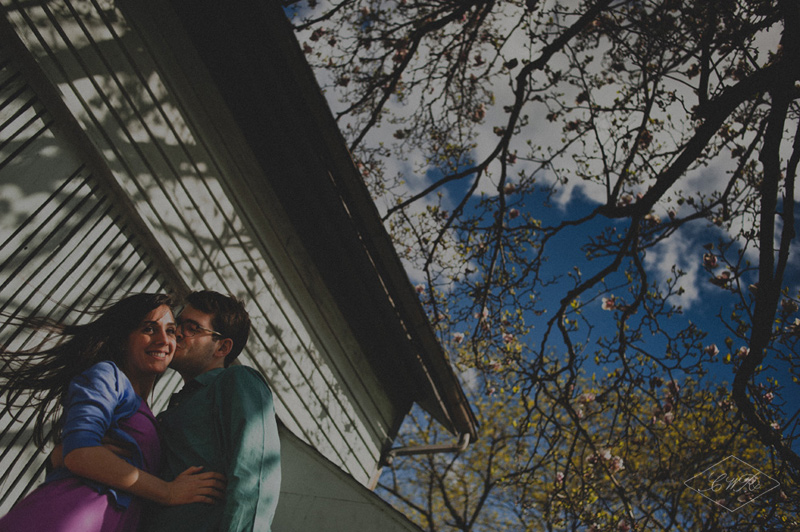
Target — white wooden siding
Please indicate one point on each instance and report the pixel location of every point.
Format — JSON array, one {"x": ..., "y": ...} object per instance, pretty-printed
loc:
[
  {"x": 62, "y": 244},
  {"x": 181, "y": 165}
]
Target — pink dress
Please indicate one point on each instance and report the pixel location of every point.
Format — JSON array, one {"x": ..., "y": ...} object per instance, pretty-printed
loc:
[{"x": 70, "y": 505}]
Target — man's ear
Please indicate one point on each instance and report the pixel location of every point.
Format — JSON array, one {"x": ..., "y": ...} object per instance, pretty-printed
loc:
[{"x": 225, "y": 346}]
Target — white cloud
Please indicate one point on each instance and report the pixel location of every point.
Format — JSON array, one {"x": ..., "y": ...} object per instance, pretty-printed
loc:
[
  {"x": 683, "y": 253},
  {"x": 679, "y": 249}
]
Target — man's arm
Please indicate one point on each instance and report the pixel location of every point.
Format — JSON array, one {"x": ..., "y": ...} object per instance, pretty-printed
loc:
[{"x": 252, "y": 450}]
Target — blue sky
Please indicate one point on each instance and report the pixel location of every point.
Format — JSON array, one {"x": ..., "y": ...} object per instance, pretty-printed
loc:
[
  {"x": 705, "y": 301},
  {"x": 702, "y": 301}
]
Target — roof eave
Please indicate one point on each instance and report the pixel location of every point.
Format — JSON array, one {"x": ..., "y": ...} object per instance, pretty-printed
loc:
[{"x": 439, "y": 390}]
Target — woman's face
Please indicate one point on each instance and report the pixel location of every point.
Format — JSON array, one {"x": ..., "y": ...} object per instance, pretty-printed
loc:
[{"x": 152, "y": 344}]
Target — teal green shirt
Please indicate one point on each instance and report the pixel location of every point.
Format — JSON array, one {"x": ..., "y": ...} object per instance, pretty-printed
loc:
[{"x": 224, "y": 420}]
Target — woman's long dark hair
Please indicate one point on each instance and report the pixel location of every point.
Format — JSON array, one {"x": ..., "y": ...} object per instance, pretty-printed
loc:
[{"x": 47, "y": 371}]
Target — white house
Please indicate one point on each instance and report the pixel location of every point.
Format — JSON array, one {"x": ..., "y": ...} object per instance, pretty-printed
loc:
[{"x": 177, "y": 145}]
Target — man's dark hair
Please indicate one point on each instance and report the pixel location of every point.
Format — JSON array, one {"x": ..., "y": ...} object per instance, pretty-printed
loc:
[{"x": 229, "y": 318}]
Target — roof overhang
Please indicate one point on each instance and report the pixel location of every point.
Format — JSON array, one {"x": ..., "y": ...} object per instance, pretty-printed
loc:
[{"x": 256, "y": 63}]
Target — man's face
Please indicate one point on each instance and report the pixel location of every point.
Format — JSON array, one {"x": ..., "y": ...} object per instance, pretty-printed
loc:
[{"x": 196, "y": 353}]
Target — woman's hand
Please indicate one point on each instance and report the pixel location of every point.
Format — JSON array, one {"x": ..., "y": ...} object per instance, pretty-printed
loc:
[{"x": 195, "y": 486}]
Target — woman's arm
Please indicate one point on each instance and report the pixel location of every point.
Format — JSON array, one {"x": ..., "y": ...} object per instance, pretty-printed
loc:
[
  {"x": 101, "y": 465},
  {"x": 94, "y": 399}
]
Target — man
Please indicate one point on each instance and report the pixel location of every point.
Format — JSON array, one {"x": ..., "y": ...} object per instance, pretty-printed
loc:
[{"x": 223, "y": 419}]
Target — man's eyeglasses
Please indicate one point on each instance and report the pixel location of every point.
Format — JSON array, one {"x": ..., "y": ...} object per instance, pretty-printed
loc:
[{"x": 192, "y": 328}]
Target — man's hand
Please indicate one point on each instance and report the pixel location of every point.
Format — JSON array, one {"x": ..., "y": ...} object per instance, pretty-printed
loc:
[{"x": 195, "y": 486}]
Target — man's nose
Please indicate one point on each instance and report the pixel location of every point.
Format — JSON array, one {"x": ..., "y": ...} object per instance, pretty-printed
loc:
[{"x": 179, "y": 332}]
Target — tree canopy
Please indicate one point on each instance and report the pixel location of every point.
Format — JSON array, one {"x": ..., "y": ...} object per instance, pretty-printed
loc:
[
  {"x": 570, "y": 181},
  {"x": 618, "y": 469}
]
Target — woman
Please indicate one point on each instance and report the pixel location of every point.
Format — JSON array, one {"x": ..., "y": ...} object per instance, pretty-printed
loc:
[{"x": 101, "y": 373}]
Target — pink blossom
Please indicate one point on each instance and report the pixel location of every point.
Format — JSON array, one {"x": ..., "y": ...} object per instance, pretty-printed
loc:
[
  {"x": 482, "y": 315},
  {"x": 587, "y": 398},
  {"x": 513, "y": 213},
  {"x": 510, "y": 188},
  {"x": 609, "y": 303},
  {"x": 721, "y": 279},
  {"x": 623, "y": 526},
  {"x": 672, "y": 214},
  {"x": 625, "y": 200},
  {"x": 653, "y": 219},
  {"x": 559, "y": 478},
  {"x": 789, "y": 306},
  {"x": 669, "y": 417},
  {"x": 711, "y": 350},
  {"x": 319, "y": 32},
  {"x": 508, "y": 338},
  {"x": 769, "y": 396},
  {"x": 710, "y": 260},
  {"x": 458, "y": 337},
  {"x": 742, "y": 352},
  {"x": 775, "y": 425},
  {"x": 616, "y": 464},
  {"x": 420, "y": 288},
  {"x": 479, "y": 113}
]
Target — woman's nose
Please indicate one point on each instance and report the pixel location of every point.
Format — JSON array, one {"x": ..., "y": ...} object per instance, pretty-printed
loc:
[{"x": 163, "y": 337}]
